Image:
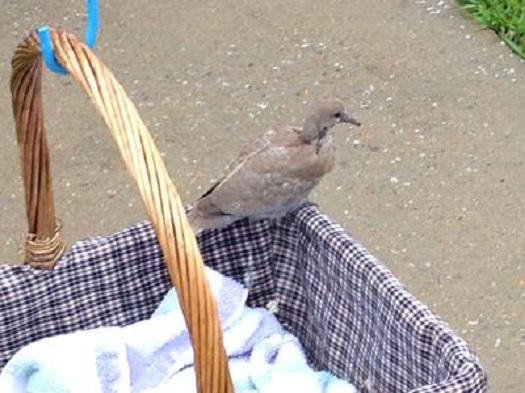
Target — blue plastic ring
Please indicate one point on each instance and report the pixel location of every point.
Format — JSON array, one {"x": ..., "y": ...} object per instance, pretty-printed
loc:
[{"x": 90, "y": 38}]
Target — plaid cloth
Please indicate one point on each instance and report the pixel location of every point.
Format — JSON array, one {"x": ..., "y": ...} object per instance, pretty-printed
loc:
[{"x": 351, "y": 314}]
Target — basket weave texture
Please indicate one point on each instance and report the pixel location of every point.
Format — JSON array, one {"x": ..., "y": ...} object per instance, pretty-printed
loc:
[{"x": 350, "y": 313}]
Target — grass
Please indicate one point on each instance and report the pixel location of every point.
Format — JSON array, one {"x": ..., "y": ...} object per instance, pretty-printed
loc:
[{"x": 505, "y": 17}]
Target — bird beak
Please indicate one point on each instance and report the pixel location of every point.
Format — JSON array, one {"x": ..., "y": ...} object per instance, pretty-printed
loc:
[{"x": 346, "y": 118}]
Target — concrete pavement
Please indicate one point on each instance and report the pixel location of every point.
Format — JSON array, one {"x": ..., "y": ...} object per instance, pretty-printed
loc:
[{"x": 432, "y": 184}]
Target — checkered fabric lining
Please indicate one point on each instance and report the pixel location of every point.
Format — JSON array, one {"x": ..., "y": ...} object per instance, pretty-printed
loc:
[{"x": 351, "y": 314}]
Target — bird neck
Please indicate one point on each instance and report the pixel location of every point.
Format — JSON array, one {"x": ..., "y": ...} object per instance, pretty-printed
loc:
[{"x": 311, "y": 131}]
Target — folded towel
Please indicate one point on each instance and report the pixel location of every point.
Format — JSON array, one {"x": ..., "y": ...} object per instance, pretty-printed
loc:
[{"x": 155, "y": 355}]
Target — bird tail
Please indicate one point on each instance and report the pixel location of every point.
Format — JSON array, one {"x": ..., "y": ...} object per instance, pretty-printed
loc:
[{"x": 201, "y": 221}]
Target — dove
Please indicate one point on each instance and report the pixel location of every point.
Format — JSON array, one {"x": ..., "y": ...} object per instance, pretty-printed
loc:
[{"x": 274, "y": 174}]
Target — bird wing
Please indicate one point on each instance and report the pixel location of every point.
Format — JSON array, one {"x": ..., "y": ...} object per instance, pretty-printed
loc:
[
  {"x": 254, "y": 147},
  {"x": 272, "y": 174}
]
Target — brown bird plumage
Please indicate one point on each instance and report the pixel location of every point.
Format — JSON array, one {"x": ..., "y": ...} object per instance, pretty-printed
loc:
[{"x": 275, "y": 173}]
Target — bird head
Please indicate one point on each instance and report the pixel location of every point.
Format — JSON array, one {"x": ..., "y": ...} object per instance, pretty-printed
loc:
[{"x": 324, "y": 115}]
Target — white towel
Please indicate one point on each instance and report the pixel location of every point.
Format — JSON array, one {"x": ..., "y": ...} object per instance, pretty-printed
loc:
[{"x": 155, "y": 355}]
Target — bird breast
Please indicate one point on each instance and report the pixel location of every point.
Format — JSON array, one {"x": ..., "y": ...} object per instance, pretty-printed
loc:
[{"x": 312, "y": 161}]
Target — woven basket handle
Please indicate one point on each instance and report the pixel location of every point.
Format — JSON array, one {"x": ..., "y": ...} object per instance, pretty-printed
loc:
[{"x": 163, "y": 205}]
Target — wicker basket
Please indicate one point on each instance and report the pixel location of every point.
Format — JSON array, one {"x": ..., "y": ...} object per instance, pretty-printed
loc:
[{"x": 352, "y": 316}]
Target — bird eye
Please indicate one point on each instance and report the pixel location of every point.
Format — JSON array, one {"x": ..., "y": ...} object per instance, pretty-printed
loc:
[{"x": 337, "y": 115}]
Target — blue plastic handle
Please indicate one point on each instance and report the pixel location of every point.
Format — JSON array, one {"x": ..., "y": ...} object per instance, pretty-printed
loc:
[{"x": 90, "y": 38}]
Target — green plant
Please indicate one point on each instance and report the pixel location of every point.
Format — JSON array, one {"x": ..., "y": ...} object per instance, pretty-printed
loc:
[{"x": 505, "y": 17}]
